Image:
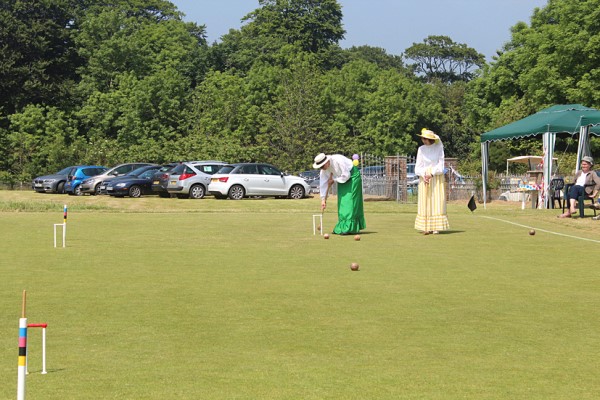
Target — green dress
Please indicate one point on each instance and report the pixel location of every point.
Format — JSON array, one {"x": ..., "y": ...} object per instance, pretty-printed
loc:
[{"x": 351, "y": 216}]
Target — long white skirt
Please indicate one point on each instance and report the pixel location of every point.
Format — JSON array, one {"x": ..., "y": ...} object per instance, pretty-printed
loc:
[{"x": 431, "y": 214}]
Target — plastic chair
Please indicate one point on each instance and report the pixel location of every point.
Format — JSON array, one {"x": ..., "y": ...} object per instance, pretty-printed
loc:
[
  {"x": 580, "y": 201},
  {"x": 556, "y": 187}
]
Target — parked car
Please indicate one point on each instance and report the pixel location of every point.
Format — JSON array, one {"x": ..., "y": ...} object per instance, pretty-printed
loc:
[
  {"x": 315, "y": 186},
  {"x": 310, "y": 175},
  {"x": 191, "y": 179},
  {"x": 107, "y": 181},
  {"x": 134, "y": 184},
  {"x": 54, "y": 183},
  {"x": 92, "y": 185},
  {"x": 373, "y": 171},
  {"x": 160, "y": 180},
  {"x": 237, "y": 181},
  {"x": 78, "y": 175},
  {"x": 411, "y": 178}
]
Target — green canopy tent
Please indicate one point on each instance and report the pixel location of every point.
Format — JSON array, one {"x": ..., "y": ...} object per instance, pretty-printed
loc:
[{"x": 566, "y": 118}]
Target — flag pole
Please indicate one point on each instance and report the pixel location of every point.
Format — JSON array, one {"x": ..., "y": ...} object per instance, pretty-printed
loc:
[{"x": 21, "y": 371}]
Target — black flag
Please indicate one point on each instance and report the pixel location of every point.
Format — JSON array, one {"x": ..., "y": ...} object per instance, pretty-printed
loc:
[{"x": 472, "y": 206}]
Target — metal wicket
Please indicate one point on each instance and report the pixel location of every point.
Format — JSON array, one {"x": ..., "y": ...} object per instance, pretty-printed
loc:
[{"x": 317, "y": 218}]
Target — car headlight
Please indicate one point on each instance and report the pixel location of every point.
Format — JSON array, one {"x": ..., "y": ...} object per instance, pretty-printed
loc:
[{"x": 120, "y": 185}]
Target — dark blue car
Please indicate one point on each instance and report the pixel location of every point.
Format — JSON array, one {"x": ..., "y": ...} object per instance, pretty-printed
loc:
[
  {"x": 78, "y": 175},
  {"x": 134, "y": 184}
]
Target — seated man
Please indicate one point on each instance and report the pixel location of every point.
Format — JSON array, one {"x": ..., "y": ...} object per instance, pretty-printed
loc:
[{"x": 585, "y": 176}]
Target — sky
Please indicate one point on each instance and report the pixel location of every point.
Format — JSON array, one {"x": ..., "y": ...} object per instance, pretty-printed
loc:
[{"x": 393, "y": 25}]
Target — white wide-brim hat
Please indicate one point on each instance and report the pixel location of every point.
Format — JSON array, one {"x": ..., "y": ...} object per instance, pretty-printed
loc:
[{"x": 320, "y": 160}]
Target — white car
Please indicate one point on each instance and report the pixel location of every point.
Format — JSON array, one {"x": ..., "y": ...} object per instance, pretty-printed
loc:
[
  {"x": 237, "y": 181},
  {"x": 191, "y": 179}
]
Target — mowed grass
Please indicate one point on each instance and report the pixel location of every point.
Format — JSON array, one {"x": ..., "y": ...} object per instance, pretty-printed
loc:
[{"x": 180, "y": 299}]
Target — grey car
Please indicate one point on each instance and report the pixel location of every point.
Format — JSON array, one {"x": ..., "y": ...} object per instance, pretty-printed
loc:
[
  {"x": 93, "y": 185},
  {"x": 191, "y": 179},
  {"x": 54, "y": 183}
]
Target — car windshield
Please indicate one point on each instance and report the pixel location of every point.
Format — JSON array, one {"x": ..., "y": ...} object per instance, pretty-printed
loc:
[
  {"x": 226, "y": 169},
  {"x": 269, "y": 170},
  {"x": 148, "y": 174},
  {"x": 178, "y": 170},
  {"x": 166, "y": 168},
  {"x": 137, "y": 171},
  {"x": 64, "y": 171}
]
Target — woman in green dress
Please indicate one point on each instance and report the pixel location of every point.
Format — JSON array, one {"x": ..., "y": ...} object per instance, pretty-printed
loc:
[{"x": 336, "y": 168}]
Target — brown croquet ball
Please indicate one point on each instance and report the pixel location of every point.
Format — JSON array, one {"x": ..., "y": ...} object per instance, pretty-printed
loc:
[
  {"x": 357, "y": 237},
  {"x": 354, "y": 266},
  {"x": 319, "y": 227},
  {"x": 532, "y": 232},
  {"x": 326, "y": 236}
]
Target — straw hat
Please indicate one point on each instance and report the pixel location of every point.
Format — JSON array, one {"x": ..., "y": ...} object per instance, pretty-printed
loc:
[
  {"x": 588, "y": 159},
  {"x": 320, "y": 160},
  {"x": 427, "y": 134}
]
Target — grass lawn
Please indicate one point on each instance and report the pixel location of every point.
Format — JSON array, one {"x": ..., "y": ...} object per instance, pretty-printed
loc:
[{"x": 214, "y": 299}]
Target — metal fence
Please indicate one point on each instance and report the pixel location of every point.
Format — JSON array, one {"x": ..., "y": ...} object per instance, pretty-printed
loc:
[
  {"x": 390, "y": 177},
  {"x": 393, "y": 178}
]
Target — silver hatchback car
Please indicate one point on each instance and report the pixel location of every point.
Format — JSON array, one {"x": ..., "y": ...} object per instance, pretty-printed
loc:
[{"x": 191, "y": 179}]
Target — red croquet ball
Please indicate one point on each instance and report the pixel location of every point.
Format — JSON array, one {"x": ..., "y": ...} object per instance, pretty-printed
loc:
[
  {"x": 357, "y": 237},
  {"x": 326, "y": 236}
]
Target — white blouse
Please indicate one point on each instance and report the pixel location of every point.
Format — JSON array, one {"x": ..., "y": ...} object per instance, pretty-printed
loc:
[
  {"x": 430, "y": 160},
  {"x": 339, "y": 168}
]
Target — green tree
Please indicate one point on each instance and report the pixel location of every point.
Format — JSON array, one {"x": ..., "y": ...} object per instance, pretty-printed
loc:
[
  {"x": 217, "y": 121},
  {"x": 375, "y": 55},
  {"x": 313, "y": 24},
  {"x": 555, "y": 60},
  {"x": 279, "y": 28},
  {"x": 396, "y": 110},
  {"x": 38, "y": 62},
  {"x": 292, "y": 121},
  {"x": 41, "y": 140},
  {"x": 439, "y": 57}
]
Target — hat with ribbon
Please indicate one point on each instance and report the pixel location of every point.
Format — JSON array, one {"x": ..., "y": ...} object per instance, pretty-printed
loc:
[{"x": 320, "y": 160}]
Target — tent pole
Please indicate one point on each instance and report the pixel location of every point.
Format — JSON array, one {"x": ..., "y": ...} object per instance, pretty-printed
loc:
[{"x": 484, "y": 170}]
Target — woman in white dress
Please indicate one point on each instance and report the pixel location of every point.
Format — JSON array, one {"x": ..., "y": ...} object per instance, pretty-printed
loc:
[{"x": 431, "y": 214}]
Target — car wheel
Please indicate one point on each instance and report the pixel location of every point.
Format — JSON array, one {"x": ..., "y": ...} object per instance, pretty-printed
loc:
[
  {"x": 60, "y": 188},
  {"x": 135, "y": 191},
  {"x": 78, "y": 191},
  {"x": 197, "y": 191},
  {"x": 297, "y": 192},
  {"x": 97, "y": 188},
  {"x": 236, "y": 192}
]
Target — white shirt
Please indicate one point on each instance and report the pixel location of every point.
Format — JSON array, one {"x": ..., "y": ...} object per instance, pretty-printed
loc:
[
  {"x": 430, "y": 160},
  {"x": 581, "y": 180},
  {"x": 339, "y": 168}
]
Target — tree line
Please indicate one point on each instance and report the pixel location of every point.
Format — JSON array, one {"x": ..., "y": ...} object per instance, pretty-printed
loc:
[{"x": 103, "y": 82}]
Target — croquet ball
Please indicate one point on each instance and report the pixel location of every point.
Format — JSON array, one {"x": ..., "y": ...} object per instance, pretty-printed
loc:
[
  {"x": 532, "y": 232},
  {"x": 319, "y": 227},
  {"x": 357, "y": 237},
  {"x": 326, "y": 236},
  {"x": 354, "y": 266}
]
